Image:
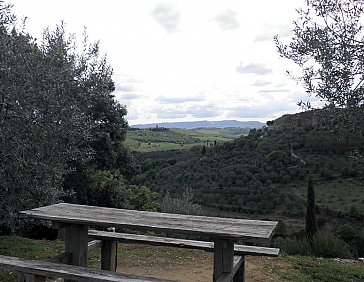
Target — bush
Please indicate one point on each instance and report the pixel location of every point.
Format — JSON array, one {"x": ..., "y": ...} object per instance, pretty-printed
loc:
[
  {"x": 329, "y": 246},
  {"x": 322, "y": 245},
  {"x": 107, "y": 190},
  {"x": 181, "y": 205},
  {"x": 346, "y": 232},
  {"x": 141, "y": 198}
]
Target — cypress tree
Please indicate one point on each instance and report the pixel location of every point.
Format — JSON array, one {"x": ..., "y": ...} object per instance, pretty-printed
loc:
[
  {"x": 203, "y": 151},
  {"x": 311, "y": 227}
]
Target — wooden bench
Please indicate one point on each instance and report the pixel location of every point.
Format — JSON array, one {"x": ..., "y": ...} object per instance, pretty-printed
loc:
[
  {"x": 37, "y": 271},
  {"x": 109, "y": 239}
]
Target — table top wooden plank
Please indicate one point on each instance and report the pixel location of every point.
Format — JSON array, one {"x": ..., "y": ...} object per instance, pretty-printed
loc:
[{"x": 195, "y": 225}]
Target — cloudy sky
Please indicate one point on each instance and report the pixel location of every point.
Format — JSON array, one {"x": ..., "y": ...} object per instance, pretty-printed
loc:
[{"x": 185, "y": 60}]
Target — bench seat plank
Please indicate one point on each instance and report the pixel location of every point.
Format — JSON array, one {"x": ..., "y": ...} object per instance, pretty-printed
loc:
[
  {"x": 78, "y": 273},
  {"x": 179, "y": 243}
]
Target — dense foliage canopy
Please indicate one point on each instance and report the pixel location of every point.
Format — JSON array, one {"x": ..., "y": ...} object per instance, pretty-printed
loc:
[{"x": 57, "y": 114}]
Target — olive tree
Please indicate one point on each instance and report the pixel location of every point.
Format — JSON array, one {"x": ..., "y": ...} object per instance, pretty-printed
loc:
[
  {"x": 328, "y": 44},
  {"x": 56, "y": 104}
]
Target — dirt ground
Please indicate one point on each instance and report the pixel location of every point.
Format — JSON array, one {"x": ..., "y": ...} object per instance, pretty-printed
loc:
[
  {"x": 200, "y": 269},
  {"x": 185, "y": 265},
  {"x": 194, "y": 265}
]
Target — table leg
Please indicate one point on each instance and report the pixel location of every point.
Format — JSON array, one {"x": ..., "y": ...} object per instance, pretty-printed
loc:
[
  {"x": 34, "y": 278},
  {"x": 223, "y": 258},
  {"x": 240, "y": 274},
  {"x": 109, "y": 255},
  {"x": 76, "y": 243}
]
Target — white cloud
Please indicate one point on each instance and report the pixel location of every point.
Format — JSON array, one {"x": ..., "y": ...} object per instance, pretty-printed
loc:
[
  {"x": 180, "y": 100},
  {"x": 273, "y": 90},
  {"x": 267, "y": 31},
  {"x": 260, "y": 82},
  {"x": 124, "y": 88},
  {"x": 129, "y": 96},
  {"x": 228, "y": 20}
]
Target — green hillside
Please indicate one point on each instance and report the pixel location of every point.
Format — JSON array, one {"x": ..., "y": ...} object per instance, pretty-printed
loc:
[
  {"x": 162, "y": 139},
  {"x": 264, "y": 175}
]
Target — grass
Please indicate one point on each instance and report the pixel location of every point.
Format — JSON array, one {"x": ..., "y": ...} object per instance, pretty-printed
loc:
[
  {"x": 26, "y": 249},
  {"x": 175, "y": 139},
  {"x": 337, "y": 194},
  {"x": 305, "y": 269},
  {"x": 156, "y": 260}
]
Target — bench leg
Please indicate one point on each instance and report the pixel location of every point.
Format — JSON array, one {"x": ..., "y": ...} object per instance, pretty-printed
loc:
[
  {"x": 223, "y": 258},
  {"x": 76, "y": 243},
  {"x": 240, "y": 274},
  {"x": 109, "y": 255},
  {"x": 34, "y": 278}
]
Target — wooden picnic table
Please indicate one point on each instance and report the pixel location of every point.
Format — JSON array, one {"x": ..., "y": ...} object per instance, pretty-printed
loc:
[{"x": 224, "y": 232}]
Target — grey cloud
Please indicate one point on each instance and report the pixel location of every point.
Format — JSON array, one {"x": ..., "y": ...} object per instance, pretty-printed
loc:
[
  {"x": 203, "y": 112},
  {"x": 302, "y": 96},
  {"x": 263, "y": 37},
  {"x": 268, "y": 110},
  {"x": 254, "y": 68},
  {"x": 227, "y": 20},
  {"x": 170, "y": 114},
  {"x": 124, "y": 88},
  {"x": 129, "y": 96},
  {"x": 195, "y": 112},
  {"x": 260, "y": 82},
  {"x": 167, "y": 16}
]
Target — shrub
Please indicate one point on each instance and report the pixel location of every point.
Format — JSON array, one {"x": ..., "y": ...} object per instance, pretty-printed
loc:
[
  {"x": 181, "y": 205},
  {"x": 346, "y": 232},
  {"x": 329, "y": 246},
  {"x": 141, "y": 198},
  {"x": 322, "y": 245}
]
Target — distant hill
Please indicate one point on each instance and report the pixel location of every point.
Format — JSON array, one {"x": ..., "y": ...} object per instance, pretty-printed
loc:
[{"x": 203, "y": 124}]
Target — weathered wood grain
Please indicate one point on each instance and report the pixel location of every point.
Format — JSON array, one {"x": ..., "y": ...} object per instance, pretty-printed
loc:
[
  {"x": 179, "y": 243},
  {"x": 109, "y": 255},
  {"x": 238, "y": 264},
  {"x": 76, "y": 244},
  {"x": 142, "y": 220},
  {"x": 78, "y": 273},
  {"x": 239, "y": 269},
  {"x": 34, "y": 278},
  {"x": 223, "y": 258}
]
